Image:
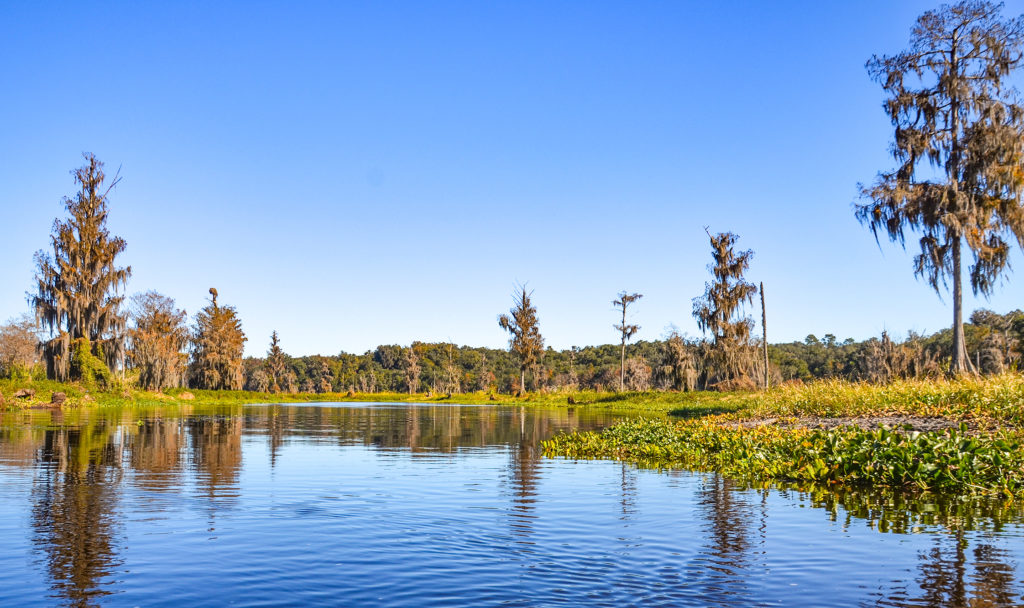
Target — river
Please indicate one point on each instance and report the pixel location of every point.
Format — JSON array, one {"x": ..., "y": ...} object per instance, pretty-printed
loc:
[{"x": 425, "y": 505}]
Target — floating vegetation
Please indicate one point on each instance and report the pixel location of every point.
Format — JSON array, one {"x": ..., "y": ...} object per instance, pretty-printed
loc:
[{"x": 951, "y": 460}]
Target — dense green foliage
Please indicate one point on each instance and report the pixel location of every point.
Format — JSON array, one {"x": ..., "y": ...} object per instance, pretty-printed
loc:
[
  {"x": 87, "y": 365},
  {"x": 952, "y": 460}
]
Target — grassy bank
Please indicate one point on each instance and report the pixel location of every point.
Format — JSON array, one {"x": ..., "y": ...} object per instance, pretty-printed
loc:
[
  {"x": 998, "y": 398},
  {"x": 80, "y": 396}
]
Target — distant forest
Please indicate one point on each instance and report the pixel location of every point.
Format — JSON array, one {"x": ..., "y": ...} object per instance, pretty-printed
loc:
[{"x": 993, "y": 340}]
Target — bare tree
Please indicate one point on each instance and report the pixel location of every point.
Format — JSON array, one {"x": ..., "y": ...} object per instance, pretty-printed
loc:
[
  {"x": 157, "y": 339},
  {"x": 952, "y": 107},
  {"x": 411, "y": 368},
  {"x": 627, "y": 331},
  {"x": 19, "y": 347},
  {"x": 764, "y": 336},
  {"x": 525, "y": 339},
  {"x": 999, "y": 345},
  {"x": 257, "y": 380},
  {"x": 679, "y": 368},
  {"x": 77, "y": 285},
  {"x": 451, "y": 372},
  {"x": 483, "y": 376},
  {"x": 217, "y": 346},
  {"x": 718, "y": 311},
  {"x": 638, "y": 374}
]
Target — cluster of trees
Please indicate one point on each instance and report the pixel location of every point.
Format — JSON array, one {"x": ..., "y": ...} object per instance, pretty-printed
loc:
[
  {"x": 82, "y": 329},
  {"x": 995, "y": 342},
  {"x": 83, "y": 339},
  {"x": 949, "y": 103}
]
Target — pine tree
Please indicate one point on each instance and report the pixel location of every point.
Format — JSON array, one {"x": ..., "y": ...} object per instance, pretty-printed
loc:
[{"x": 276, "y": 364}]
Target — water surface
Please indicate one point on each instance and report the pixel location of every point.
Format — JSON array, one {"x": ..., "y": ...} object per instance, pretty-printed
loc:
[{"x": 404, "y": 505}]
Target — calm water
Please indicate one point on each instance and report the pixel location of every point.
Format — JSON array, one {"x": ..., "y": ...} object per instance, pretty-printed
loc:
[{"x": 398, "y": 505}]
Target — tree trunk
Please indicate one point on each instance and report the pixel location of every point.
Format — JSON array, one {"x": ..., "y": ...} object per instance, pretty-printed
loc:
[
  {"x": 764, "y": 335},
  {"x": 522, "y": 381},
  {"x": 622, "y": 363},
  {"x": 961, "y": 362}
]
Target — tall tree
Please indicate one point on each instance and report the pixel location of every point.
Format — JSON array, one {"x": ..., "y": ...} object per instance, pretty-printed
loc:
[
  {"x": 77, "y": 285},
  {"x": 276, "y": 364},
  {"x": 217, "y": 346},
  {"x": 952, "y": 107},
  {"x": 627, "y": 331},
  {"x": 718, "y": 311},
  {"x": 524, "y": 335},
  {"x": 157, "y": 340}
]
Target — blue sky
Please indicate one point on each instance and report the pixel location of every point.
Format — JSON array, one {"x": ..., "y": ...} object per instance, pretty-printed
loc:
[{"x": 353, "y": 174}]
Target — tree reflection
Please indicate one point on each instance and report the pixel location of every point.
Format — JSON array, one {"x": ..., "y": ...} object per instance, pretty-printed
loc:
[
  {"x": 216, "y": 451},
  {"x": 524, "y": 473},
  {"x": 729, "y": 516},
  {"x": 74, "y": 510},
  {"x": 216, "y": 457},
  {"x": 156, "y": 450},
  {"x": 275, "y": 433},
  {"x": 627, "y": 496},
  {"x": 729, "y": 519},
  {"x": 953, "y": 574}
]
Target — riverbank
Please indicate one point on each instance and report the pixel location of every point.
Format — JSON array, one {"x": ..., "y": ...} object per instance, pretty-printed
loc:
[
  {"x": 964, "y": 436},
  {"x": 983, "y": 403},
  {"x": 653, "y": 403}
]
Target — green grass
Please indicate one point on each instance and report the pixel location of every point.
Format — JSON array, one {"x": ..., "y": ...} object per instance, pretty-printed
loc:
[
  {"x": 999, "y": 398},
  {"x": 654, "y": 403},
  {"x": 996, "y": 398}
]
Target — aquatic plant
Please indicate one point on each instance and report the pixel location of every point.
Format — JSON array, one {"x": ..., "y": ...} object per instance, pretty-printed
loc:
[{"x": 950, "y": 460}]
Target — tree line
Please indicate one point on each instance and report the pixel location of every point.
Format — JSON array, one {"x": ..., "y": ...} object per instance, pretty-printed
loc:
[{"x": 951, "y": 107}]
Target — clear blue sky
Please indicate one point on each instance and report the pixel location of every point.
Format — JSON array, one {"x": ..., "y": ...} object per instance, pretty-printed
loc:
[{"x": 353, "y": 174}]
